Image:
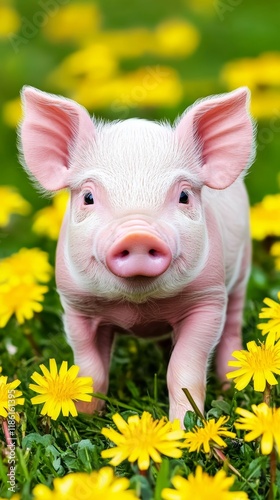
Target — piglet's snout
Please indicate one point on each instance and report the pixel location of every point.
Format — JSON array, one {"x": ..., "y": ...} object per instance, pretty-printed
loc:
[{"x": 138, "y": 254}]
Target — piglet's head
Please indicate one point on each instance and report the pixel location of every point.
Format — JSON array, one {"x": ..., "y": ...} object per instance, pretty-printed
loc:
[
  {"x": 136, "y": 208},
  {"x": 217, "y": 134}
]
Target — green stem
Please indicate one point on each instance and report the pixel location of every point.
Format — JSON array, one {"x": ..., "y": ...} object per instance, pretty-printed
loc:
[
  {"x": 6, "y": 432},
  {"x": 267, "y": 394},
  {"x": 193, "y": 403},
  {"x": 220, "y": 456},
  {"x": 33, "y": 344},
  {"x": 143, "y": 473},
  {"x": 273, "y": 464},
  {"x": 48, "y": 425},
  {"x": 113, "y": 401},
  {"x": 273, "y": 457}
]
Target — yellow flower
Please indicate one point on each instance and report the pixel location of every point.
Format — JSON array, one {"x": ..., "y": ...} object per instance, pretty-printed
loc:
[
  {"x": 9, "y": 397},
  {"x": 208, "y": 436},
  {"x": 265, "y": 104},
  {"x": 275, "y": 252},
  {"x": 261, "y": 75},
  {"x": 201, "y": 486},
  {"x": 265, "y": 217},
  {"x": 258, "y": 362},
  {"x": 10, "y": 20},
  {"x": 27, "y": 265},
  {"x": 11, "y": 203},
  {"x": 22, "y": 299},
  {"x": 265, "y": 422},
  {"x": 144, "y": 87},
  {"x": 129, "y": 43},
  {"x": 96, "y": 62},
  {"x": 203, "y": 7},
  {"x": 48, "y": 220},
  {"x": 58, "y": 390},
  {"x": 74, "y": 22},
  {"x": 141, "y": 439},
  {"x": 256, "y": 72},
  {"x": 98, "y": 485},
  {"x": 12, "y": 112},
  {"x": 272, "y": 313},
  {"x": 175, "y": 38}
]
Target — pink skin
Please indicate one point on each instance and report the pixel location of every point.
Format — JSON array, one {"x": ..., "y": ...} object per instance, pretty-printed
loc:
[
  {"x": 138, "y": 254},
  {"x": 138, "y": 260}
]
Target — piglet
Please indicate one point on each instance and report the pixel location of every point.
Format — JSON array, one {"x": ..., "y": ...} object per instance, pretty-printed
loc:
[{"x": 156, "y": 234}]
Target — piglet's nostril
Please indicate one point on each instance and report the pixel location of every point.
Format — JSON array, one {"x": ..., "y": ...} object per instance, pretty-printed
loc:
[
  {"x": 153, "y": 252},
  {"x": 124, "y": 253}
]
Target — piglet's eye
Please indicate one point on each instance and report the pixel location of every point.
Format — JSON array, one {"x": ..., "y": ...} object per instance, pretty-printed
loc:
[
  {"x": 184, "y": 198},
  {"x": 88, "y": 198}
]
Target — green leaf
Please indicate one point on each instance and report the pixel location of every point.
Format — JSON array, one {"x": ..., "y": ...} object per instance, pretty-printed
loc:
[
  {"x": 163, "y": 480},
  {"x": 142, "y": 487},
  {"x": 190, "y": 420},
  {"x": 85, "y": 450},
  {"x": 35, "y": 439},
  {"x": 219, "y": 407},
  {"x": 256, "y": 467}
]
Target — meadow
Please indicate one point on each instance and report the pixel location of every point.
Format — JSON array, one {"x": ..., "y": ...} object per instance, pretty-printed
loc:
[{"x": 102, "y": 54}]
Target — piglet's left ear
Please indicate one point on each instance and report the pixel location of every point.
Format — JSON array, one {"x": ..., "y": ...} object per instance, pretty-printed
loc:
[{"x": 218, "y": 134}]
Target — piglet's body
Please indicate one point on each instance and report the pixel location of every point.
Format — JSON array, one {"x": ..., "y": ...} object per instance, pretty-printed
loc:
[{"x": 156, "y": 234}]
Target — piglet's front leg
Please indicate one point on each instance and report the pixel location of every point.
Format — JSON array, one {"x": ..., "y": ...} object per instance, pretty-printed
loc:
[
  {"x": 91, "y": 344},
  {"x": 195, "y": 339}
]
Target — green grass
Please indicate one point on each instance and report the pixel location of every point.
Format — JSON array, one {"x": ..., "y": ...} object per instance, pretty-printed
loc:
[{"x": 46, "y": 450}]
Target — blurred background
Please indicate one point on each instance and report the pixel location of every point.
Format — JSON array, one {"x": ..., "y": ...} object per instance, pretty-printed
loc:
[{"x": 140, "y": 58}]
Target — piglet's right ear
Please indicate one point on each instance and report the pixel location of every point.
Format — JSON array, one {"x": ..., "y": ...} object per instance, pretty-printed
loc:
[{"x": 52, "y": 129}]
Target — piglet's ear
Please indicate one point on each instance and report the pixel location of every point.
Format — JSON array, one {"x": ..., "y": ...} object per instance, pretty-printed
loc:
[
  {"x": 52, "y": 128},
  {"x": 218, "y": 134}
]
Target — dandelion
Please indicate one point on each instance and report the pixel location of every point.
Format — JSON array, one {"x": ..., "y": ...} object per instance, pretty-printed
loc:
[
  {"x": 48, "y": 220},
  {"x": 259, "y": 363},
  {"x": 59, "y": 390},
  {"x": 175, "y": 38},
  {"x": 10, "y": 20},
  {"x": 275, "y": 252},
  {"x": 202, "y": 7},
  {"x": 165, "y": 90},
  {"x": 272, "y": 313},
  {"x": 95, "y": 62},
  {"x": 208, "y": 436},
  {"x": 11, "y": 203},
  {"x": 26, "y": 265},
  {"x": 21, "y": 299},
  {"x": 6, "y": 390},
  {"x": 256, "y": 72},
  {"x": 99, "y": 485},
  {"x": 75, "y": 22},
  {"x": 201, "y": 486},
  {"x": 265, "y": 217},
  {"x": 261, "y": 75},
  {"x": 264, "y": 422},
  {"x": 12, "y": 112},
  {"x": 130, "y": 43},
  {"x": 141, "y": 439}
]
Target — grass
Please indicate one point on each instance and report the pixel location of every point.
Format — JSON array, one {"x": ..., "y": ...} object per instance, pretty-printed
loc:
[{"x": 48, "y": 449}]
